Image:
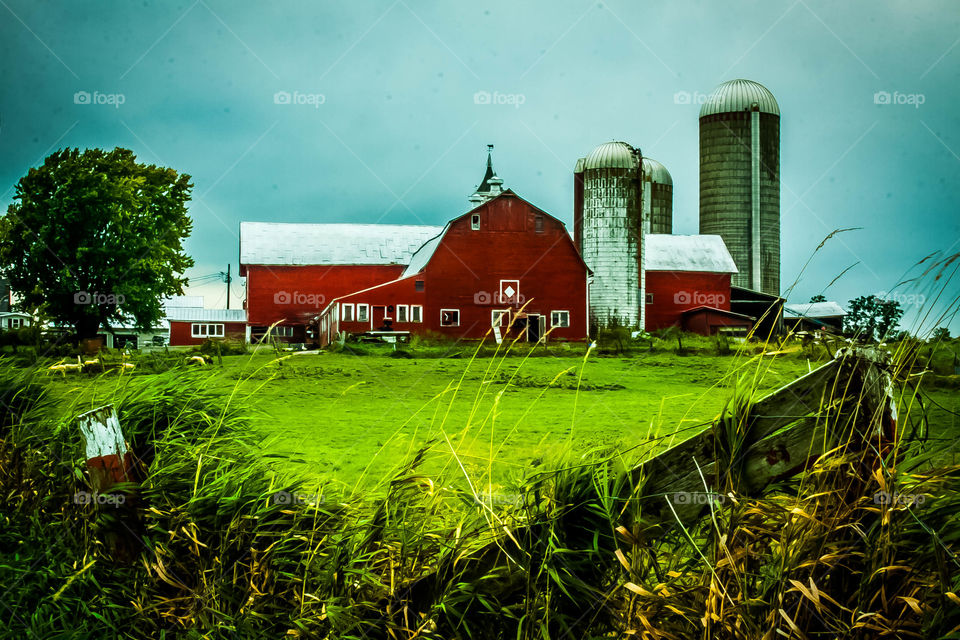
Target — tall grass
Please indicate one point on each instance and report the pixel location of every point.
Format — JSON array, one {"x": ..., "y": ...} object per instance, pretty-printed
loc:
[{"x": 449, "y": 545}]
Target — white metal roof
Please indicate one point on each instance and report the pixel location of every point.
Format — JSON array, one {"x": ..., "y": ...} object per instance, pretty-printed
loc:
[
  {"x": 612, "y": 155},
  {"x": 828, "y": 309},
  {"x": 422, "y": 256},
  {"x": 191, "y": 314},
  {"x": 277, "y": 243},
  {"x": 739, "y": 95},
  {"x": 668, "y": 252}
]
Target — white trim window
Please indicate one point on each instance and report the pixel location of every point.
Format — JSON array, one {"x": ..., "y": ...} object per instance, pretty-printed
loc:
[
  {"x": 475, "y": 222},
  {"x": 416, "y": 313},
  {"x": 283, "y": 331},
  {"x": 200, "y": 330},
  {"x": 510, "y": 292},
  {"x": 559, "y": 319},
  {"x": 363, "y": 312},
  {"x": 403, "y": 313},
  {"x": 449, "y": 317},
  {"x": 15, "y": 323},
  {"x": 346, "y": 312},
  {"x": 500, "y": 318}
]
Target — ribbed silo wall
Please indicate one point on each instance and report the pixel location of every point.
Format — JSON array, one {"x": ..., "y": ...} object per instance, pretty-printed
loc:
[
  {"x": 611, "y": 215},
  {"x": 661, "y": 207},
  {"x": 726, "y": 188}
]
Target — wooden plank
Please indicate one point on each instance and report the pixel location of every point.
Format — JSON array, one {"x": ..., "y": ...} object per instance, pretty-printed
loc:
[{"x": 796, "y": 400}]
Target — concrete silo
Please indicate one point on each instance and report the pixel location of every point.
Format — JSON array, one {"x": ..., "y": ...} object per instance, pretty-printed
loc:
[
  {"x": 740, "y": 179},
  {"x": 657, "y": 197},
  {"x": 607, "y": 219}
]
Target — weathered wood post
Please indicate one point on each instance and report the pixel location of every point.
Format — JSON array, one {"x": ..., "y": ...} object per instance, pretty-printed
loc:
[{"x": 109, "y": 464}]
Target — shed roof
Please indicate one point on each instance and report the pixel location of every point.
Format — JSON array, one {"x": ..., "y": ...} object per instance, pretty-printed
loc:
[
  {"x": 191, "y": 314},
  {"x": 667, "y": 252},
  {"x": 278, "y": 243},
  {"x": 827, "y": 309}
]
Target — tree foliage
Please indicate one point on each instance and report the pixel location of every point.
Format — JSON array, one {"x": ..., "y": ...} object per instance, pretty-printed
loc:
[
  {"x": 818, "y": 298},
  {"x": 871, "y": 318},
  {"x": 93, "y": 238}
]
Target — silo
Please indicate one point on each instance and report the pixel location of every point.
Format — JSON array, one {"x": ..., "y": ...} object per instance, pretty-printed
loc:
[
  {"x": 657, "y": 197},
  {"x": 607, "y": 218},
  {"x": 740, "y": 179}
]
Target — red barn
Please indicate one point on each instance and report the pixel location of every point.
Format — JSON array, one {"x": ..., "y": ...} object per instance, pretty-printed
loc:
[
  {"x": 505, "y": 263},
  {"x": 688, "y": 284},
  {"x": 191, "y": 325},
  {"x": 293, "y": 271}
]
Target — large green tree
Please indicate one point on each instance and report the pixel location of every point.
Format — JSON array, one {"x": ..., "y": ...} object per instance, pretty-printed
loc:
[
  {"x": 93, "y": 238},
  {"x": 872, "y": 318}
]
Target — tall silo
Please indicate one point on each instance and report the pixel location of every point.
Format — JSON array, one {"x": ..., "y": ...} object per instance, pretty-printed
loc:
[
  {"x": 740, "y": 179},
  {"x": 657, "y": 197},
  {"x": 607, "y": 218}
]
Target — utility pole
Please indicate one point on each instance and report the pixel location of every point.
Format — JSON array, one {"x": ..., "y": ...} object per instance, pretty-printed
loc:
[{"x": 228, "y": 280}]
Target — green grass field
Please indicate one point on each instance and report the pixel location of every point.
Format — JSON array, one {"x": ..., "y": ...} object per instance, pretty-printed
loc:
[{"x": 351, "y": 419}]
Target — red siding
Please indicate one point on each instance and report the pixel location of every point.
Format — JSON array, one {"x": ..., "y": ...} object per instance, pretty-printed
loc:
[
  {"x": 296, "y": 294},
  {"x": 706, "y": 322},
  {"x": 467, "y": 267},
  {"x": 180, "y": 332},
  {"x": 676, "y": 291}
]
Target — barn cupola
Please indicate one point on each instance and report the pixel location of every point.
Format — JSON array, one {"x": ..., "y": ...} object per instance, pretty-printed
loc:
[{"x": 491, "y": 186}]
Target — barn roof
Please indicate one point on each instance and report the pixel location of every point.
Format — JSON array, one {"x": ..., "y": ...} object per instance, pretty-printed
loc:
[
  {"x": 278, "y": 243},
  {"x": 422, "y": 256},
  {"x": 191, "y": 314},
  {"x": 828, "y": 309},
  {"x": 667, "y": 252}
]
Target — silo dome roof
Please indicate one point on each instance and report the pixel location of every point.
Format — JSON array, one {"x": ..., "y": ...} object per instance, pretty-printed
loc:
[
  {"x": 612, "y": 155},
  {"x": 656, "y": 172},
  {"x": 739, "y": 95}
]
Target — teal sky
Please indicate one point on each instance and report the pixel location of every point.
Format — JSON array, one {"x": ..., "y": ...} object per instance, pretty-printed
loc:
[{"x": 383, "y": 124}]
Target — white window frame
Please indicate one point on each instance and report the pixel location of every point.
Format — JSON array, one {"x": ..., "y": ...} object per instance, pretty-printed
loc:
[
  {"x": 457, "y": 311},
  {"x": 416, "y": 313},
  {"x": 497, "y": 317},
  {"x": 516, "y": 296},
  {"x": 14, "y": 323},
  {"x": 343, "y": 312},
  {"x": 475, "y": 222},
  {"x": 556, "y": 325},
  {"x": 283, "y": 331},
  {"x": 208, "y": 330},
  {"x": 363, "y": 312},
  {"x": 406, "y": 312}
]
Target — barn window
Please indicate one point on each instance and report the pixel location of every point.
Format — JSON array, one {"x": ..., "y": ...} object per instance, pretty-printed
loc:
[
  {"x": 475, "y": 222},
  {"x": 500, "y": 318},
  {"x": 559, "y": 318},
  {"x": 402, "y": 311},
  {"x": 418, "y": 285},
  {"x": 363, "y": 311},
  {"x": 449, "y": 317},
  {"x": 16, "y": 323},
  {"x": 347, "y": 313},
  {"x": 538, "y": 224},
  {"x": 206, "y": 330},
  {"x": 283, "y": 332},
  {"x": 510, "y": 292},
  {"x": 416, "y": 313},
  {"x": 649, "y": 298}
]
